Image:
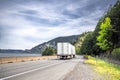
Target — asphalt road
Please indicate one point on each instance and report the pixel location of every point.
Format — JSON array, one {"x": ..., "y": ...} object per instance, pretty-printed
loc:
[{"x": 38, "y": 70}]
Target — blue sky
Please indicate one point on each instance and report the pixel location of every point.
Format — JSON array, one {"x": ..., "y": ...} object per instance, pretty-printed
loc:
[{"x": 27, "y": 23}]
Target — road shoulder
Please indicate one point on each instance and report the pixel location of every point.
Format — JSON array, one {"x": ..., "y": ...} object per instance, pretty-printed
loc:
[{"x": 82, "y": 71}]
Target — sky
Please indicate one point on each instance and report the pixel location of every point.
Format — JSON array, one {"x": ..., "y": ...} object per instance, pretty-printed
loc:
[{"x": 27, "y": 23}]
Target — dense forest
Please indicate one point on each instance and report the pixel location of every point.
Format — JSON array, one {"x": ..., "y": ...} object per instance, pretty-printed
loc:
[
  {"x": 79, "y": 41},
  {"x": 105, "y": 39}
]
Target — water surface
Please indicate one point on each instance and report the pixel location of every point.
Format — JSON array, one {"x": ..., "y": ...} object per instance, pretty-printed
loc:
[{"x": 18, "y": 54}]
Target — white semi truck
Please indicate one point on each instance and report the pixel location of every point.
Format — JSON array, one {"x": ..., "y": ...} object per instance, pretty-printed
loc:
[{"x": 65, "y": 50}]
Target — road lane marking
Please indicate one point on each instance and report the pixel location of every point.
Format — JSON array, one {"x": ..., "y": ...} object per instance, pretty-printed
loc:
[{"x": 29, "y": 71}]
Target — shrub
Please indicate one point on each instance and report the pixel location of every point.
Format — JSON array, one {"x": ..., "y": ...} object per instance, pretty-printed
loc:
[
  {"x": 116, "y": 51},
  {"x": 115, "y": 54},
  {"x": 85, "y": 56},
  {"x": 48, "y": 51}
]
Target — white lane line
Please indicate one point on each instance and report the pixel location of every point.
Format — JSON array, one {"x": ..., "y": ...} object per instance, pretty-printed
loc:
[{"x": 28, "y": 71}]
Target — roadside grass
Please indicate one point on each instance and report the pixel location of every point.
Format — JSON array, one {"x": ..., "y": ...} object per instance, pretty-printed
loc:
[{"x": 107, "y": 70}]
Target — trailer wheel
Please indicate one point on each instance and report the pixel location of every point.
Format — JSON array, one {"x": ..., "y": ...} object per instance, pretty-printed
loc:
[
  {"x": 73, "y": 56},
  {"x": 70, "y": 56}
]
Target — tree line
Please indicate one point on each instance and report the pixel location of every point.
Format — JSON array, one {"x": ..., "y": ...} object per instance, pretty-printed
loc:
[{"x": 105, "y": 39}]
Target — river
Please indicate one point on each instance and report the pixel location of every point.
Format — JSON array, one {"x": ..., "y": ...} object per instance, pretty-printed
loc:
[{"x": 18, "y": 54}]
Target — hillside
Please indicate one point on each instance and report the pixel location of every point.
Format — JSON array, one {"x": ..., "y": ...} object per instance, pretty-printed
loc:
[
  {"x": 52, "y": 43},
  {"x": 79, "y": 41}
]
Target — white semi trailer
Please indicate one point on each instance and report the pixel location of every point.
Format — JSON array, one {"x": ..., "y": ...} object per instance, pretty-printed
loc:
[{"x": 65, "y": 50}]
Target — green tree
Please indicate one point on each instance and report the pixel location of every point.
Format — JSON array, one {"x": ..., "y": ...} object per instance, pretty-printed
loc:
[
  {"x": 87, "y": 45},
  {"x": 48, "y": 51},
  {"x": 114, "y": 14},
  {"x": 81, "y": 41},
  {"x": 104, "y": 40},
  {"x": 96, "y": 49},
  {"x": 77, "y": 50}
]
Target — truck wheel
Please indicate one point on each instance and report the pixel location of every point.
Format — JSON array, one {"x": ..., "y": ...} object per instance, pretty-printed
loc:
[
  {"x": 73, "y": 56},
  {"x": 70, "y": 57}
]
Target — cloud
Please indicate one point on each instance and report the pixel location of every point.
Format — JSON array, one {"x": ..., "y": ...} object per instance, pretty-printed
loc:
[{"x": 25, "y": 24}]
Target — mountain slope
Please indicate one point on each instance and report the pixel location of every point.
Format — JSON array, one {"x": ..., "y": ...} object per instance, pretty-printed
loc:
[
  {"x": 80, "y": 40},
  {"x": 53, "y": 43}
]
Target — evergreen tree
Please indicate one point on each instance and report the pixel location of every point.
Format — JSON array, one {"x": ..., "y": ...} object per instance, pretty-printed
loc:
[
  {"x": 48, "y": 51},
  {"x": 87, "y": 46},
  {"x": 114, "y": 15}
]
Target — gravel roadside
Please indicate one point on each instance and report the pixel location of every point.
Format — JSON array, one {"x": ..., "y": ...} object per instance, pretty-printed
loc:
[{"x": 82, "y": 72}]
